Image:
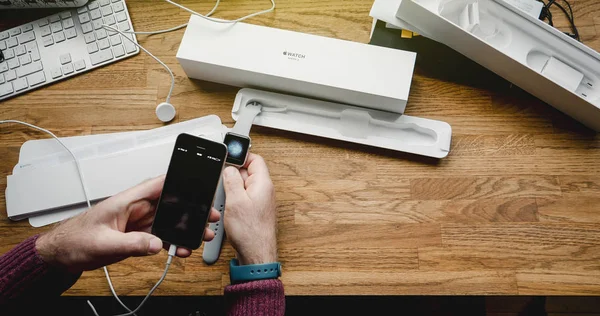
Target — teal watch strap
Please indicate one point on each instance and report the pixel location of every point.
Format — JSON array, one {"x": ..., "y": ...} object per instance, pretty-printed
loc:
[{"x": 253, "y": 272}]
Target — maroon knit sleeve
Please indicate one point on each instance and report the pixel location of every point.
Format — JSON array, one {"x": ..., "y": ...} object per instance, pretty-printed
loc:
[
  {"x": 257, "y": 298},
  {"x": 24, "y": 274}
]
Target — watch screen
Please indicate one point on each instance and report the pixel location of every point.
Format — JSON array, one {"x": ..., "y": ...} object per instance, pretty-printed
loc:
[{"x": 237, "y": 148}]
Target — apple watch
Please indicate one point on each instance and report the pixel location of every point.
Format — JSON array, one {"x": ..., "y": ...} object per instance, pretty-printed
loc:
[
  {"x": 238, "y": 146},
  {"x": 253, "y": 272}
]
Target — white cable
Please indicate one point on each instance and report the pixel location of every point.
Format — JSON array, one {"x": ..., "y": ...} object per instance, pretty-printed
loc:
[
  {"x": 112, "y": 29},
  {"x": 172, "y": 249},
  {"x": 176, "y": 27},
  {"x": 220, "y": 20}
]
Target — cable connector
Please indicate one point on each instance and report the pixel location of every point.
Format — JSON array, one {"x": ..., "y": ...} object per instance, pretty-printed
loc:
[{"x": 172, "y": 252}]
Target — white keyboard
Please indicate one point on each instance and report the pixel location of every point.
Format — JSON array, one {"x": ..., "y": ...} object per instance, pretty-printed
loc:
[{"x": 63, "y": 45}]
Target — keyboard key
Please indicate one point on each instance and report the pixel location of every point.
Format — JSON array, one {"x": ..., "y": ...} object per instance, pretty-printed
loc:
[
  {"x": 100, "y": 34},
  {"x": 103, "y": 43},
  {"x": 104, "y": 2},
  {"x": 20, "y": 50},
  {"x": 2, "y": 45},
  {"x": 13, "y": 63},
  {"x": 8, "y": 54},
  {"x": 97, "y": 24},
  {"x": 31, "y": 46},
  {"x": 59, "y": 37},
  {"x": 79, "y": 65},
  {"x": 27, "y": 27},
  {"x": 6, "y": 89},
  {"x": 10, "y": 75},
  {"x": 123, "y": 27},
  {"x": 56, "y": 73},
  {"x": 56, "y": 27},
  {"x": 82, "y": 9},
  {"x": 67, "y": 69},
  {"x": 119, "y": 51},
  {"x": 3, "y": 67},
  {"x": 106, "y": 11},
  {"x": 118, "y": 7},
  {"x": 12, "y": 42},
  {"x": 129, "y": 46},
  {"x": 1, "y": 78},
  {"x": 66, "y": 58},
  {"x": 47, "y": 41},
  {"x": 89, "y": 37},
  {"x": 25, "y": 59},
  {"x": 95, "y": 14},
  {"x": 3, "y": 35},
  {"x": 45, "y": 30},
  {"x": 101, "y": 56},
  {"x": 43, "y": 22},
  {"x": 92, "y": 48},
  {"x": 84, "y": 17},
  {"x": 29, "y": 69},
  {"x": 14, "y": 32},
  {"x": 20, "y": 84},
  {"x": 93, "y": 5},
  {"x": 116, "y": 1},
  {"x": 115, "y": 40},
  {"x": 68, "y": 23},
  {"x": 35, "y": 54},
  {"x": 26, "y": 37},
  {"x": 36, "y": 78},
  {"x": 71, "y": 33},
  {"x": 65, "y": 14},
  {"x": 121, "y": 16},
  {"x": 54, "y": 18},
  {"x": 110, "y": 20},
  {"x": 87, "y": 27}
]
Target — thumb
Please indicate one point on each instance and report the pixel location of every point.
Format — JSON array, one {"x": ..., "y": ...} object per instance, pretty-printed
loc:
[
  {"x": 136, "y": 244},
  {"x": 233, "y": 183}
]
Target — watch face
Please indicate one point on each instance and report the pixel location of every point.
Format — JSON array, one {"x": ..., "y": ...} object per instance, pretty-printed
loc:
[{"x": 237, "y": 148}]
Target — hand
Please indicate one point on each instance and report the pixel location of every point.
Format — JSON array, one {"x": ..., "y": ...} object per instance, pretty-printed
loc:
[
  {"x": 113, "y": 230},
  {"x": 250, "y": 218}
]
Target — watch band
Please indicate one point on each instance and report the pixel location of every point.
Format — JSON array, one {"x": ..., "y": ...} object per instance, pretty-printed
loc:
[
  {"x": 212, "y": 249},
  {"x": 246, "y": 118},
  {"x": 253, "y": 272}
]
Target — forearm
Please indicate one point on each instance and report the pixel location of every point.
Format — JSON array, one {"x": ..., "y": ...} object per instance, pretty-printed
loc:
[
  {"x": 264, "y": 297},
  {"x": 23, "y": 273}
]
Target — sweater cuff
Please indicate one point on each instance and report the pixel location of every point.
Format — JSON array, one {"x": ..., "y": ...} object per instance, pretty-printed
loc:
[
  {"x": 263, "y": 297},
  {"x": 24, "y": 274}
]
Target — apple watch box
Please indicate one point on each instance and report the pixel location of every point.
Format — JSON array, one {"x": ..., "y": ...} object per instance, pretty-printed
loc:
[{"x": 253, "y": 56}]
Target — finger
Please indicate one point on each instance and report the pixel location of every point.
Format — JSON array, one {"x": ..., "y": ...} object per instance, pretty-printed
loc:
[
  {"x": 244, "y": 173},
  {"x": 209, "y": 234},
  {"x": 183, "y": 252},
  {"x": 131, "y": 244},
  {"x": 255, "y": 164},
  {"x": 214, "y": 215},
  {"x": 149, "y": 189},
  {"x": 233, "y": 183}
]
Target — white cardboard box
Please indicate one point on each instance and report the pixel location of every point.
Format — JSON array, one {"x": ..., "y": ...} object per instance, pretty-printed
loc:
[{"x": 252, "y": 56}]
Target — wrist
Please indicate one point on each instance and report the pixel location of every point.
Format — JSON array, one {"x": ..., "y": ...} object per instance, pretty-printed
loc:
[
  {"x": 264, "y": 255},
  {"x": 45, "y": 249}
]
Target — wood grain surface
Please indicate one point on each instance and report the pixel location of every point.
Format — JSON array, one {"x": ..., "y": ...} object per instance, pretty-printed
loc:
[{"x": 513, "y": 210}]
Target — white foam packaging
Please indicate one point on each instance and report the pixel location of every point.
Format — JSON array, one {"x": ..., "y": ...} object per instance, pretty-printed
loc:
[
  {"x": 517, "y": 46},
  {"x": 110, "y": 163}
]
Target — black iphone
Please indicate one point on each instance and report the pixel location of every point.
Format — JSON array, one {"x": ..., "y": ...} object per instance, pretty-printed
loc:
[{"x": 190, "y": 185}]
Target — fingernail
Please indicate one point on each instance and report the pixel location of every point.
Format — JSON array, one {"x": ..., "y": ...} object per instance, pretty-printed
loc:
[{"x": 155, "y": 246}]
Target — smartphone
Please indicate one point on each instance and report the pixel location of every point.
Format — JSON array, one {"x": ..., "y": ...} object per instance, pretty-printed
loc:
[{"x": 190, "y": 185}]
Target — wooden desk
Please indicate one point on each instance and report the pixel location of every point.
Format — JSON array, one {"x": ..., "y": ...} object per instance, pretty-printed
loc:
[{"x": 514, "y": 208}]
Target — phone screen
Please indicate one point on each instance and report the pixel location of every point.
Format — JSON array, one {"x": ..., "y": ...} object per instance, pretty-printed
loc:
[{"x": 189, "y": 189}]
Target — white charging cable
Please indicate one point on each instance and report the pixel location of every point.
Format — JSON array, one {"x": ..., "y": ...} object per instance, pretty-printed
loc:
[
  {"x": 176, "y": 27},
  {"x": 221, "y": 20},
  {"x": 172, "y": 248}
]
